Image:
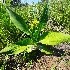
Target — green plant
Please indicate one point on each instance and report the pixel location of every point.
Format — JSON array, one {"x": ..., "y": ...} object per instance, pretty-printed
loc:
[
  {"x": 34, "y": 31},
  {"x": 60, "y": 14},
  {"x": 8, "y": 32}
]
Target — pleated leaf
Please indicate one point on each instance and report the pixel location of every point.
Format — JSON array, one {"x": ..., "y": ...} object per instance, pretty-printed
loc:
[
  {"x": 54, "y": 38},
  {"x": 18, "y": 21}
]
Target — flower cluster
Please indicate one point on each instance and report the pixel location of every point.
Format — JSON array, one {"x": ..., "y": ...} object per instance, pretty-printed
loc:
[{"x": 34, "y": 24}]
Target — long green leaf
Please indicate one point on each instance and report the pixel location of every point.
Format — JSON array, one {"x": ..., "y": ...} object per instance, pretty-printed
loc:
[
  {"x": 16, "y": 49},
  {"x": 45, "y": 15},
  {"x": 44, "y": 49},
  {"x": 54, "y": 38},
  {"x": 18, "y": 21},
  {"x": 26, "y": 41},
  {"x": 20, "y": 49}
]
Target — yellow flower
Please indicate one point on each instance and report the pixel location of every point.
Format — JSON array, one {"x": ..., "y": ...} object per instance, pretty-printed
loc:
[{"x": 34, "y": 24}]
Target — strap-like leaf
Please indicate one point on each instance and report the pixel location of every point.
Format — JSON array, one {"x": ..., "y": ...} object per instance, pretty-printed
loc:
[
  {"x": 20, "y": 49},
  {"x": 54, "y": 38},
  {"x": 45, "y": 14},
  {"x": 18, "y": 21},
  {"x": 26, "y": 41},
  {"x": 44, "y": 49},
  {"x": 44, "y": 17},
  {"x": 16, "y": 49}
]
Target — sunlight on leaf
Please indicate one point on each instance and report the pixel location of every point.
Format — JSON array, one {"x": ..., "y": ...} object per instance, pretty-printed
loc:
[
  {"x": 20, "y": 49},
  {"x": 55, "y": 38},
  {"x": 7, "y": 48},
  {"x": 16, "y": 49}
]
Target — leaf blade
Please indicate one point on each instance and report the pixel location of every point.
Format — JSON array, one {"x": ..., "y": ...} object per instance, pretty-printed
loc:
[
  {"x": 44, "y": 49},
  {"x": 20, "y": 49},
  {"x": 16, "y": 49},
  {"x": 55, "y": 38},
  {"x": 26, "y": 41},
  {"x": 45, "y": 15},
  {"x": 18, "y": 21}
]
